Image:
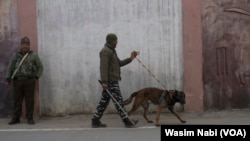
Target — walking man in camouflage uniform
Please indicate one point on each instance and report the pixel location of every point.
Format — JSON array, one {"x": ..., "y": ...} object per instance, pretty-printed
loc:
[
  {"x": 25, "y": 67},
  {"x": 110, "y": 75}
]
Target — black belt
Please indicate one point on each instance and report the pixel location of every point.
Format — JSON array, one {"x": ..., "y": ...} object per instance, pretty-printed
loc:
[{"x": 23, "y": 78}]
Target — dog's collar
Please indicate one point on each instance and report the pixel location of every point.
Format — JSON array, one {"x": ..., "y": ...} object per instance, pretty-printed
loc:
[{"x": 163, "y": 98}]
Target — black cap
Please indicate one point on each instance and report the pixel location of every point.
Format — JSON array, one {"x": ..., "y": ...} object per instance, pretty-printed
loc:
[
  {"x": 111, "y": 37},
  {"x": 25, "y": 40}
]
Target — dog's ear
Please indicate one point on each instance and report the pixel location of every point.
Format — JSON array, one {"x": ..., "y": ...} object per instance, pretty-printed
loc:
[{"x": 171, "y": 93}]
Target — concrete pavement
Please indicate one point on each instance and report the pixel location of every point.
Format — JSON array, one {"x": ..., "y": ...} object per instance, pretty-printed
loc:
[{"x": 83, "y": 121}]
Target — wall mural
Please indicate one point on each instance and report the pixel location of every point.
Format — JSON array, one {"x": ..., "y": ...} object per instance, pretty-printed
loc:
[
  {"x": 226, "y": 53},
  {"x": 237, "y": 10},
  {"x": 244, "y": 73}
]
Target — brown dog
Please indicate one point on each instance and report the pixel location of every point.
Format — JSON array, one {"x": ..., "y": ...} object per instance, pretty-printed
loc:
[{"x": 162, "y": 98}]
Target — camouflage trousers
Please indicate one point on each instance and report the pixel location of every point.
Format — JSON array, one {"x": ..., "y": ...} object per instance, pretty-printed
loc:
[{"x": 114, "y": 89}]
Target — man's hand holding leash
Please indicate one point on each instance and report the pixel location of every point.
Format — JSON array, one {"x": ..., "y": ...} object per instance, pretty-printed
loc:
[{"x": 134, "y": 54}]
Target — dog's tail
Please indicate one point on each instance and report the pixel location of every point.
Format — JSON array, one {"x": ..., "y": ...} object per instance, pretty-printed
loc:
[{"x": 129, "y": 100}]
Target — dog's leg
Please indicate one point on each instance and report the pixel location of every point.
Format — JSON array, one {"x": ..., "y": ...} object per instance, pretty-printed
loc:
[
  {"x": 136, "y": 105},
  {"x": 145, "y": 106},
  {"x": 173, "y": 111},
  {"x": 159, "y": 109}
]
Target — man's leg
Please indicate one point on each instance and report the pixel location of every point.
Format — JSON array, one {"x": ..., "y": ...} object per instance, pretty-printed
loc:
[
  {"x": 18, "y": 99},
  {"x": 116, "y": 93},
  {"x": 29, "y": 91},
  {"x": 101, "y": 107}
]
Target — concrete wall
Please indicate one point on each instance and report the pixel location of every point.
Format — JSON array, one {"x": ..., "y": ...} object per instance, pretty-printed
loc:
[
  {"x": 8, "y": 44},
  {"x": 70, "y": 35}
]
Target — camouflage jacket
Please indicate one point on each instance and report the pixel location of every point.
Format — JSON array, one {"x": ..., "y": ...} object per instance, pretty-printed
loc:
[
  {"x": 31, "y": 66},
  {"x": 110, "y": 64}
]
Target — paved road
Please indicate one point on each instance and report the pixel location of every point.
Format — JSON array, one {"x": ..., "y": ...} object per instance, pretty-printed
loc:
[
  {"x": 78, "y": 127},
  {"x": 83, "y": 134}
]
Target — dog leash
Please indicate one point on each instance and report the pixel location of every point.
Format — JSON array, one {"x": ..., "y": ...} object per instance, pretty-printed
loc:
[
  {"x": 150, "y": 73},
  {"x": 163, "y": 94}
]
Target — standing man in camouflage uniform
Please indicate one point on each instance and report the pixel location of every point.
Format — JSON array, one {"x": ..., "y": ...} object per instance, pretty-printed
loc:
[
  {"x": 24, "y": 80},
  {"x": 110, "y": 75}
]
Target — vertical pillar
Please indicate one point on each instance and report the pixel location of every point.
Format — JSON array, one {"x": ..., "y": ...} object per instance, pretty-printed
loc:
[
  {"x": 192, "y": 54},
  {"x": 27, "y": 21}
]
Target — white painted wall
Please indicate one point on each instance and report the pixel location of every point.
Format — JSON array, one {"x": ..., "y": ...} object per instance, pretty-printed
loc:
[{"x": 71, "y": 33}]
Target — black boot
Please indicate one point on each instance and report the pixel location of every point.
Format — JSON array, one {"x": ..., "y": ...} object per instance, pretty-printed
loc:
[
  {"x": 96, "y": 123},
  {"x": 30, "y": 121},
  {"x": 14, "y": 121},
  {"x": 129, "y": 124}
]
